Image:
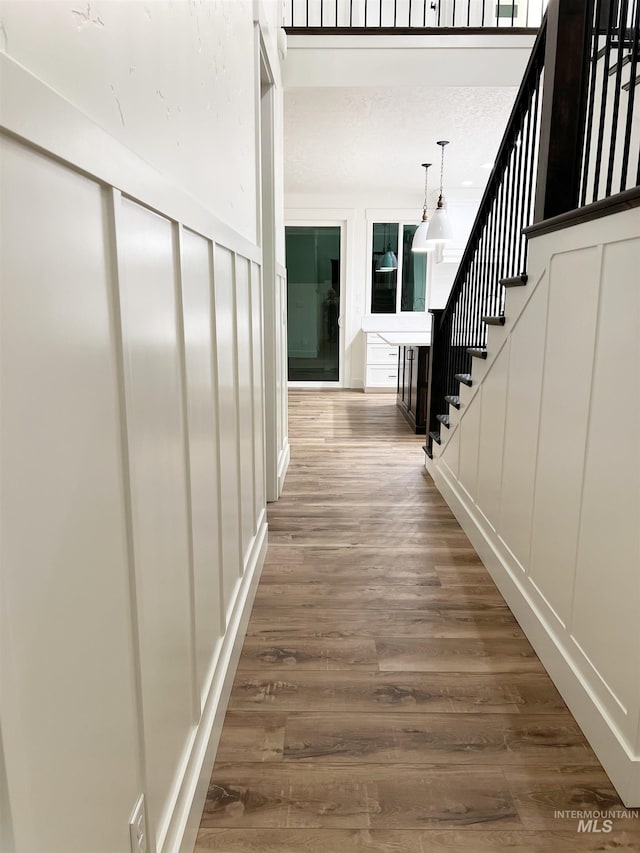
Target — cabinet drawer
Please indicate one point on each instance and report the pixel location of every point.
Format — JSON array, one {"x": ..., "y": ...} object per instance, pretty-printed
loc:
[
  {"x": 382, "y": 376},
  {"x": 382, "y": 354}
]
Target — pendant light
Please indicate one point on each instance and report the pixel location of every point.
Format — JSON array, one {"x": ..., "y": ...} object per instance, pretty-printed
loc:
[
  {"x": 388, "y": 262},
  {"x": 420, "y": 241},
  {"x": 440, "y": 230}
]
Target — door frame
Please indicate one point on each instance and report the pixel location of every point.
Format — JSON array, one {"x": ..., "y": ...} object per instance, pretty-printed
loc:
[{"x": 310, "y": 219}]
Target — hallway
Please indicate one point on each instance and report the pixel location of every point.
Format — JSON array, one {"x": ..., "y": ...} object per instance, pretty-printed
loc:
[{"x": 386, "y": 699}]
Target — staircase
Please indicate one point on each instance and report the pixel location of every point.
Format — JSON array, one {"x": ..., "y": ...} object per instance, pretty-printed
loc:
[
  {"x": 571, "y": 149},
  {"x": 466, "y": 379}
]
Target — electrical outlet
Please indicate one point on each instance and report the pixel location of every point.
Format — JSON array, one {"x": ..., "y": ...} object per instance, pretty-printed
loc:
[{"x": 138, "y": 827}]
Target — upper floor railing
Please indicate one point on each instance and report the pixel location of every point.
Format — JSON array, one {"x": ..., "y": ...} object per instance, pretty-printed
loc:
[
  {"x": 571, "y": 152},
  {"x": 365, "y": 15}
]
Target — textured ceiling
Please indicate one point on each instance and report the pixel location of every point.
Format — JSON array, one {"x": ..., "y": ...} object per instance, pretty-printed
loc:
[{"x": 353, "y": 140}]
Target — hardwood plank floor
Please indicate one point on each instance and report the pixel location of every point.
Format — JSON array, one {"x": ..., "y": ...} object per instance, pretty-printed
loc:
[{"x": 386, "y": 699}]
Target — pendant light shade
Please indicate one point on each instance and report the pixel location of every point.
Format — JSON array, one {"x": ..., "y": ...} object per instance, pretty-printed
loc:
[
  {"x": 388, "y": 262},
  {"x": 440, "y": 230},
  {"x": 421, "y": 240}
]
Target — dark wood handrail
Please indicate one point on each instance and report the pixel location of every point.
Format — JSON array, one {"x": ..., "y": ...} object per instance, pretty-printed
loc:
[{"x": 529, "y": 80}]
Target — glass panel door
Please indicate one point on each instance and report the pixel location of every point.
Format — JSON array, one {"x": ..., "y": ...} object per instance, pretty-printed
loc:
[{"x": 313, "y": 302}]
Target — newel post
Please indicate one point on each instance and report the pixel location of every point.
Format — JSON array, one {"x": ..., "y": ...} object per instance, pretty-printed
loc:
[
  {"x": 437, "y": 365},
  {"x": 564, "y": 104}
]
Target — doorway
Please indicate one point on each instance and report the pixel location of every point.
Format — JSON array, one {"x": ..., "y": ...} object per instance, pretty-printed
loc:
[{"x": 313, "y": 302}]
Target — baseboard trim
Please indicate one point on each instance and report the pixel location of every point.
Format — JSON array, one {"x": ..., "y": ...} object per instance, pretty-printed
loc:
[
  {"x": 283, "y": 465},
  {"x": 185, "y": 819},
  {"x": 622, "y": 767}
]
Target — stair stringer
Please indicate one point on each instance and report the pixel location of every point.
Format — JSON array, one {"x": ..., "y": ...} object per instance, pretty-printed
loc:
[{"x": 516, "y": 300}]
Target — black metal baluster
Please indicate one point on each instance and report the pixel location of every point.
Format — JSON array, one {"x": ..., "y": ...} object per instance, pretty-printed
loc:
[
  {"x": 491, "y": 242},
  {"x": 484, "y": 278},
  {"x": 533, "y": 161},
  {"x": 409, "y": 12},
  {"x": 474, "y": 302},
  {"x": 499, "y": 244},
  {"x": 603, "y": 103},
  {"x": 513, "y": 205},
  {"x": 380, "y": 21},
  {"x": 517, "y": 223},
  {"x": 591, "y": 98},
  {"x": 468, "y": 13},
  {"x": 522, "y": 178},
  {"x": 456, "y": 334},
  {"x": 484, "y": 253},
  {"x": 453, "y": 21},
  {"x": 508, "y": 198},
  {"x": 439, "y": 2},
  {"x": 471, "y": 311},
  {"x": 616, "y": 95},
  {"x": 488, "y": 272},
  {"x": 479, "y": 284},
  {"x": 464, "y": 306},
  {"x": 635, "y": 48}
]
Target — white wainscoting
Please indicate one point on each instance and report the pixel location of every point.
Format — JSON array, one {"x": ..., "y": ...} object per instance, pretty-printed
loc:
[
  {"x": 542, "y": 469},
  {"x": 133, "y": 454}
]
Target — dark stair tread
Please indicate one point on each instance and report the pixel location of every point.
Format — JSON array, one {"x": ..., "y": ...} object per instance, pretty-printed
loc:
[
  {"x": 444, "y": 419},
  {"x": 515, "y": 280},
  {"x": 453, "y": 400},
  {"x": 627, "y": 85},
  {"x": 496, "y": 320},
  {"x": 613, "y": 45},
  {"x": 477, "y": 352},
  {"x": 427, "y": 450},
  {"x": 626, "y": 59},
  {"x": 435, "y": 436},
  {"x": 465, "y": 378}
]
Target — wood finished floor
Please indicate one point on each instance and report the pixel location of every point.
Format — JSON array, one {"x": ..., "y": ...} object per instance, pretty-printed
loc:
[{"x": 386, "y": 699}]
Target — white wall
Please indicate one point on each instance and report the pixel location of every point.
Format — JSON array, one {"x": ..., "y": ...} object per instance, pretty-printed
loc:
[
  {"x": 133, "y": 407},
  {"x": 542, "y": 468}
]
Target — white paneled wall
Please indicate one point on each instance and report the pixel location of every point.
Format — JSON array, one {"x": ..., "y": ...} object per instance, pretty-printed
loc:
[
  {"x": 99, "y": 532},
  {"x": 147, "y": 277},
  {"x": 69, "y": 722},
  {"x": 202, "y": 395},
  {"x": 552, "y": 503},
  {"x": 133, "y": 457},
  {"x": 228, "y": 418}
]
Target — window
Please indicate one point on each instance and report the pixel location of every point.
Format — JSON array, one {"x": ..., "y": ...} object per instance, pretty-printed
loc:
[{"x": 392, "y": 261}]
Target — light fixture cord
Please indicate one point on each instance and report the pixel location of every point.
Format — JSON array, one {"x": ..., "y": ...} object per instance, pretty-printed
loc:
[
  {"x": 426, "y": 177},
  {"x": 426, "y": 192},
  {"x": 441, "y": 170}
]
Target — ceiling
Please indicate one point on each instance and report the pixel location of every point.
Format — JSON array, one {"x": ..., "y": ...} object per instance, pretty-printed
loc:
[{"x": 373, "y": 140}]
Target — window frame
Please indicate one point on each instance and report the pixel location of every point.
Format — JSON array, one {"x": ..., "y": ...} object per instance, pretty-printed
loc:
[{"x": 391, "y": 218}]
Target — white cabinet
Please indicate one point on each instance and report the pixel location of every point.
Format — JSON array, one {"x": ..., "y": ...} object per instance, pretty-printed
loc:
[{"x": 381, "y": 364}]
